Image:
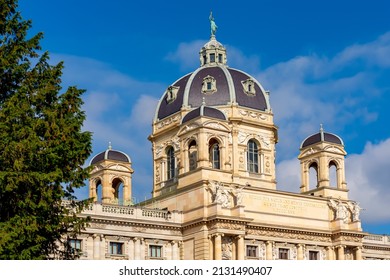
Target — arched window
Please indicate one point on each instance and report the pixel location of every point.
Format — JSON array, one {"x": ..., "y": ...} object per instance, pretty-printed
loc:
[
  {"x": 252, "y": 157},
  {"x": 192, "y": 155},
  {"x": 214, "y": 153},
  {"x": 117, "y": 189},
  {"x": 332, "y": 174},
  {"x": 170, "y": 163},
  {"x": 313, "y": 175},
  {"x": 99, "y": 190}
]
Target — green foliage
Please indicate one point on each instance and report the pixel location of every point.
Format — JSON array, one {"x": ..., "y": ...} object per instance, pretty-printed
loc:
[{"x": 42, "y": 147}]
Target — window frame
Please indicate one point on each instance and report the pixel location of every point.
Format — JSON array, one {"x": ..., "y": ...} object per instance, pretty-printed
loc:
[
  {"x": 315, "y": 253},
  {"x": 252, "y": 157},
  {"x": 284, "y": 254},
  {"x": 116, "y": 248},
  {"x": 171, "y": 168},
  {"x": 215, "y": 154},
  {"x": 252, "y": 251},
  {"x": 75, "y": 245},
  {"x": 155, "y": 251}
]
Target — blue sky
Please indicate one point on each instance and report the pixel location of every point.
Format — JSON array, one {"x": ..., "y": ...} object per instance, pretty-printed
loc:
[{"x": 323, "y": 62}]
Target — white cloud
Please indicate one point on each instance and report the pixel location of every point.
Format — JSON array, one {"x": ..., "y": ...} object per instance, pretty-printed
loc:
[
  {"x": 185, "y": 55},
  {"x": 368, "y": 179},
  {"x": 143, "y": 111}
]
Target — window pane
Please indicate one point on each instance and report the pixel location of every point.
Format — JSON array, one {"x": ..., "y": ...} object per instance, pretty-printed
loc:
[
  {"x": 212, "y": 57},
  {"x": 155, "y": 251},
  {"x": 116, "y": 248},
  {"x": 251, "y": 251},
  {"x": 252, "y": 157},
  {"x": 313, "y": 255},
  {"x": 170, "y": 163},
  {"x": 283, "y": 254}
]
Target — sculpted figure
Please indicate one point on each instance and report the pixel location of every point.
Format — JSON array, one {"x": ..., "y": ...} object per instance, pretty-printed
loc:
[{"x": 213, "y": 26}]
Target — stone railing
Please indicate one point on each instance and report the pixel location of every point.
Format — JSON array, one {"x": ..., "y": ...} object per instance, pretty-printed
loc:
[
  {"x": 133, "y": 212},
  {"x": 373, "y": 239}
]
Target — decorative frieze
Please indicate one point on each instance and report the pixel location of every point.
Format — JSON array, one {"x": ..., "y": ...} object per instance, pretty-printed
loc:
[
  {"x": 168, "y": 121},
  {"x": 288, "y": 235},
  {"x": 254, "y": 115}
]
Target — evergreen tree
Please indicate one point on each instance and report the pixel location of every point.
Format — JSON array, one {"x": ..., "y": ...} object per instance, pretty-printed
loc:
[{"x": 42, "y": 147}]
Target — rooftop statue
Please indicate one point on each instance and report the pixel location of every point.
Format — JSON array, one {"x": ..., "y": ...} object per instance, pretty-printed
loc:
[{"x": 213, "y": 26}]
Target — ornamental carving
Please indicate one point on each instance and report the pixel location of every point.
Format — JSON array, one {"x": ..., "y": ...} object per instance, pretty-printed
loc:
[
  {"x": 241, "y": 137},
  {"x": 215, "y": 125},
  {"x": 227, "y": 248},
  {"x": 227, "y": 225},
  {"x": 254, "y": 115},
  {"x": 350, "y": 238},
  {"x": 341, "y": 210},
  {"x": 97, "y": 225},
  {"x": 139, "y": 229},
  {"x": 288, "y": 235},
  {"x": 168, "y": 121},
  {"x": 219, "y": 194},
  {"x": 172, "y": 142}
]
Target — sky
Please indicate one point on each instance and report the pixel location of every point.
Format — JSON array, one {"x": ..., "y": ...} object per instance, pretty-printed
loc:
[{"x": 324, "y": 62}]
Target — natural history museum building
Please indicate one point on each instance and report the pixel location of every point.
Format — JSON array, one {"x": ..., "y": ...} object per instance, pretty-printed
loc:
[{"x": 213, "y": 143}]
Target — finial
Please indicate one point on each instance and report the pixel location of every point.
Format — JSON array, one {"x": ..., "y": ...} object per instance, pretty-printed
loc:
[
  {"x": 109, "y": 145},
  {"x": 213, "y": 26},
  {"x": 322, "y": 132},
  {"x": 203, "y": 101}
]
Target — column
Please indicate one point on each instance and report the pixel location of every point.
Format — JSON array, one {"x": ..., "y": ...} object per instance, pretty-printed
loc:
[
  {"x": 131, "y": 249},
  {"x": 211, "y": 248},
  {"x": 137, "y": 249},
  {"x": 218, "y": 246},
  {"x": 268, "y": 250},
  {"x": 175, "y": 250},
  {"x": 142, "y": 248},
  {"x": 235, "y": 153},
  {"x": 330, "y": 253},
  {"x": 240, "y": 247},
  {"x": 340, "y": 252},
  {"x": 102, "y": 254},
  {"x": 358, "y": 253},
  {"x": 300, "y": 253},
  {"x": 96, "y": 247}
]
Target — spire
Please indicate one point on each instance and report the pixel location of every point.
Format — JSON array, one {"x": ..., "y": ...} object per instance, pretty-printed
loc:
[{"x": 109, "y": 145}]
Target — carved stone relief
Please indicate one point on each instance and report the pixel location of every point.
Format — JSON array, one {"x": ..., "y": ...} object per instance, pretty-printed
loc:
[{"x": 227, "y": 248}]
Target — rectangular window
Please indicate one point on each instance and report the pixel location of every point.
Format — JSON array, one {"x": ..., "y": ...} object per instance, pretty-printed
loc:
[
  {"x": 116, "y": 248},
  {"x": 75, "y": 245},
  {"x": 313, "y": 255},
  {"x": 251, "y": 251},
  {"x": 155, "y": 251},
  {"x": 283, "y": 253},
  {"x": 220, "y": 58},
  {"x": 212, "y": 57}
]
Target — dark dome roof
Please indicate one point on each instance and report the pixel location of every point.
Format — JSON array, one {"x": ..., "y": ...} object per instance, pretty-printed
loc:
[
  {"x": 204, "y": 111},
  {"x": 230, "y": 86},
  {"x": 110, "y": 154},
  {"x": 322, "y": 137}
]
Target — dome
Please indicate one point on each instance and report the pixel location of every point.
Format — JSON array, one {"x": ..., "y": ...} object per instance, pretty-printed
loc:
[
  {"x": 322, "y": 137},
  {"x": 214, "y": 82},
  {"x": 110, "y": 154},
  {"x": 204, "y": 111}
]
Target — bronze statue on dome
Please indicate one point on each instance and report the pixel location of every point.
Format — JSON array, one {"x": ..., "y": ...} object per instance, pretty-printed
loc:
[{"x": 213, "y": 26}]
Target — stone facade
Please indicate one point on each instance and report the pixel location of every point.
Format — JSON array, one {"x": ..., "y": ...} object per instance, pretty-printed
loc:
[{"x": 214, "y": 144}]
